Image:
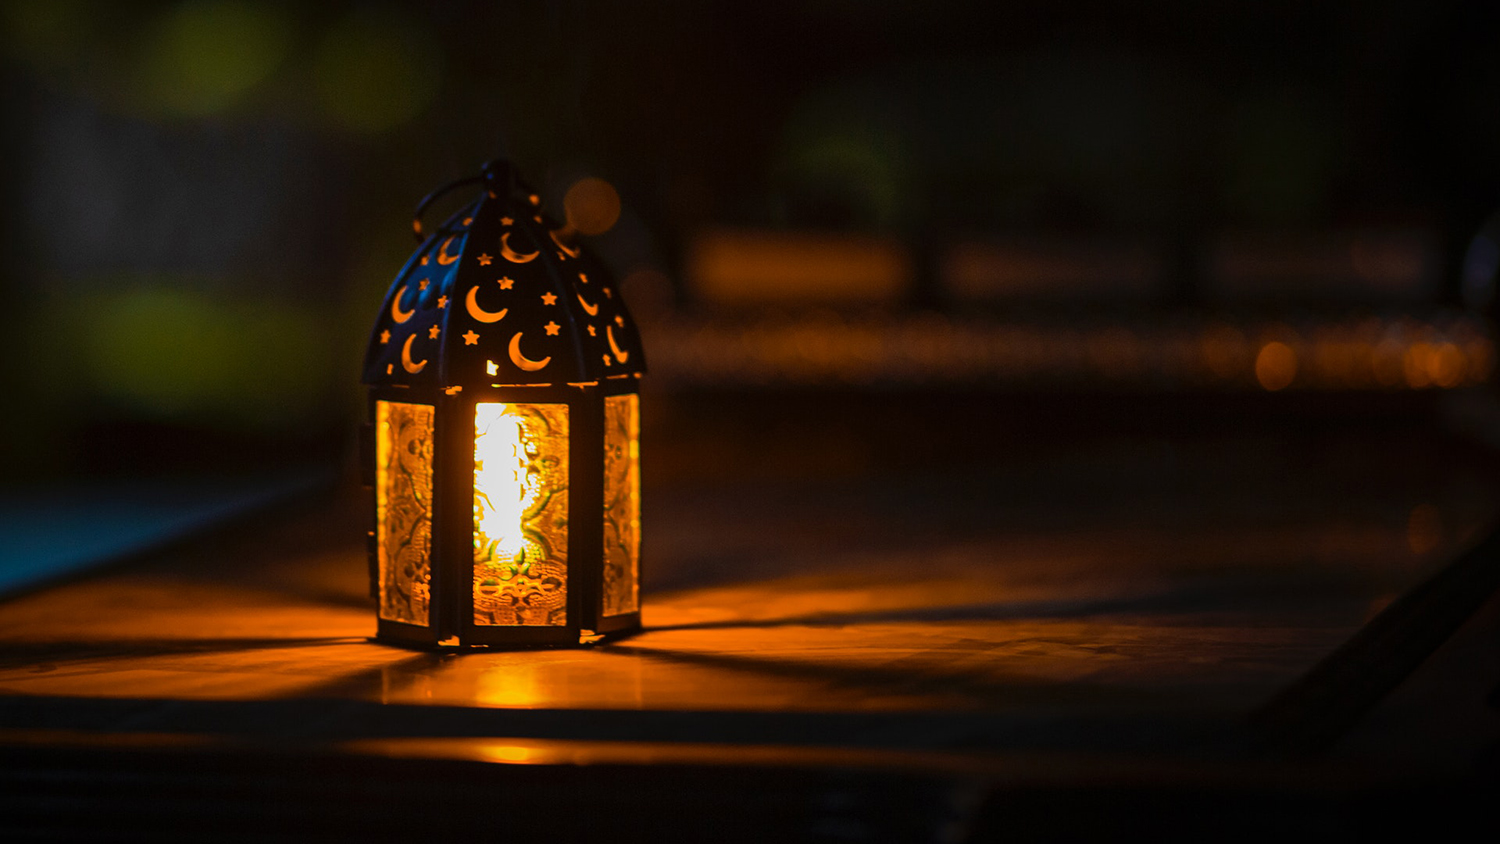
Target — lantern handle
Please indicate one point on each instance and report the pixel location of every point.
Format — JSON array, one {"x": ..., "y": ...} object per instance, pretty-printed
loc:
[
  {"x": 499, "y": 174},
  {"x": 416, "y": 217}
]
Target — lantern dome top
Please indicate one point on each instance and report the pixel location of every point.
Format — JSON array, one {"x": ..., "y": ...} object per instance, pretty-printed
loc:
[{"x": 501, "y": 294}]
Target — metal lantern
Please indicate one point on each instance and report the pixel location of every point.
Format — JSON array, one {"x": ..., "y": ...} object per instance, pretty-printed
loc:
[{"x": 503, "y": 441}]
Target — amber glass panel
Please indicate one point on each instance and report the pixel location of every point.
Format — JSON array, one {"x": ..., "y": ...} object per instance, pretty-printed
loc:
[
  {"x": 403, "y": 509},
  {"x": 622, "y": 504},
  {"x": 520, "y": 514}
]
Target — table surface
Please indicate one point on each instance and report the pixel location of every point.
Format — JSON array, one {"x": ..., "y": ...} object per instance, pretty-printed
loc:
[{"x": 1110, "y": 601}]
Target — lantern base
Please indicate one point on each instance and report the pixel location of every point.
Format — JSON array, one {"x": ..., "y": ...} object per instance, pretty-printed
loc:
[
  {"x": 416, "y": 637},
  {"x": 622, "y": 624}
]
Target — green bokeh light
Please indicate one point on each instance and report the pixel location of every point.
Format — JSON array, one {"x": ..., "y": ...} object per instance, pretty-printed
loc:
[
  {"x": 201, "y": 58},
  {"x": 169, "y": 353},
  {"x": 376, "y": 72}
]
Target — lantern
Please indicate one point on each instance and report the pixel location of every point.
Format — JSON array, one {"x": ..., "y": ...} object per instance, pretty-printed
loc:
[{"x": 503, "y": 434}]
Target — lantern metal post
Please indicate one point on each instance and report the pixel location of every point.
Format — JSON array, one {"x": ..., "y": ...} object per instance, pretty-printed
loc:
[{"x": 499, "y": 320}]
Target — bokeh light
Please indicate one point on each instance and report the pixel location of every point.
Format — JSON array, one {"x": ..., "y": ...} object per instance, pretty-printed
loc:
[
  {"x": 1034, "y": 214},
  {"x": 375, "y": 71},
  {"x": 201, "y": 58},
  {"x": 592, "y": 206},
  {"x": 180, "y": 355},
  {"x": 1276, "y": 366}
]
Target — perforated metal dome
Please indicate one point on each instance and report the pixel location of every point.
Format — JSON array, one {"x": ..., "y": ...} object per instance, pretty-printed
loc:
[{"x": 499, "y": 295}]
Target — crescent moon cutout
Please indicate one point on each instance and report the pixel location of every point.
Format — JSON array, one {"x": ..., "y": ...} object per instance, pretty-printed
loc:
[
  {"x": 511, "y": 255},
  {"x": 443, "y": 257},
  {"x": 521, "y": 361},
  {"x": 621, "y": 354},
  {"x": 480, "y": 314},
  {"x": 592, "y": 310},
  {"x": 406, "y": 363},
  {"x": 397, "y": 314},
  {"x": 572, "y": 253}
]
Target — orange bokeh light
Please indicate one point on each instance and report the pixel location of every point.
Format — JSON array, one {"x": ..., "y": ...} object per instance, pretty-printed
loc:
[
  {"x": 1275, "y": 366},
  {"x": 592, "y": 206}
]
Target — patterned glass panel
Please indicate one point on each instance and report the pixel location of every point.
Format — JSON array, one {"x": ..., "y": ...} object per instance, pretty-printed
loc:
[
  {"x": 520, "y": 514},
  {"x": 622, "y": 504},
  {"x": 403, "y": 509}
]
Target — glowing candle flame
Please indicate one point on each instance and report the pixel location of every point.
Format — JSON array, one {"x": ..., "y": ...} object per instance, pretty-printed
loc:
[{"x": 501, "y": 490}]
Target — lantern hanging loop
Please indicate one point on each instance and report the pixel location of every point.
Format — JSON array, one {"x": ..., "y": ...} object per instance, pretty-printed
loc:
[{"x": 498, "y": 174}]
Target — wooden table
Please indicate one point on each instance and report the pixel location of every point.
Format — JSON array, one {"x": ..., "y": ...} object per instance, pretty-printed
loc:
[{"x": 1110, "y": 636}]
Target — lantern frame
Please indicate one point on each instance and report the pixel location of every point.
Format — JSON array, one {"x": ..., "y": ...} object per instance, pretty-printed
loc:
[
  {"x": 451, "y": 557},
  {"x": 453, "y": 400}
]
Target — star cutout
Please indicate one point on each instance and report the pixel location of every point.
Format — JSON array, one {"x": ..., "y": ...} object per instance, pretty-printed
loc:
[
  {"x": 484, "y": 259},
  {"x": 422, "y": 285},
  {"x": 424, "y": 260},
  {"x": 433, "y": 332},
  {"x": 619, "y": 320},
  {"x": 507, "y": 283},
  {"x": 535, "y": 200},
  {"x": 549, "y": 299},
  {"x": 593, "y": 332},
  {"x": 470, "y": 338},
  {"x": 385, "y": 336},
  {"x": 583, "y": 278},
  {"x": 552, "y": 328},
  {"x": 442, "y": 301},
  {"x": 607, "y": 361},
  {"x": 505, "y": 221}
]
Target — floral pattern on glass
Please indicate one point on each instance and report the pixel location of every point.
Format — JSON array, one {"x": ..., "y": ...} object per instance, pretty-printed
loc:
[
  {"x": 622, "y": 504},
  {"x": 403, "y": 509}
]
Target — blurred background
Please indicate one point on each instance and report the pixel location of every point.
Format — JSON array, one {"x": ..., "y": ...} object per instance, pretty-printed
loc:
[{"x": 1115, "y": 252}]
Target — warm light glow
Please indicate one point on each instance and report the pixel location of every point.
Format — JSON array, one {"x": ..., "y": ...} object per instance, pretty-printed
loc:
[
  {"x": 1387, "y": 364},
  {"x": 520, "y": 513},
  {"x": 1416, "y": 365},
  {"x": 1446, "y": 365},
  {"x": 403, "y": 509},
  {"x": 622, "y": 504},
  {"x": 748, "y": 267},
  {"x": 510, "y": 753},
  {"x": 500, "y": 484},
  {"x": 1275, "y": 366}
]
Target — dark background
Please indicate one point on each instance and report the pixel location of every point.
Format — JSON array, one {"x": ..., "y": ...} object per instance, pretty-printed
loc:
[
  {"x": 204, "y": 201},
  {"x": 1170, "y": 437}
]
